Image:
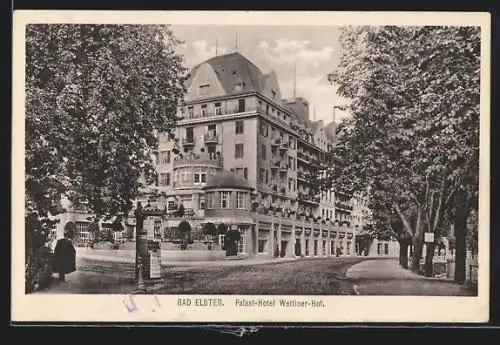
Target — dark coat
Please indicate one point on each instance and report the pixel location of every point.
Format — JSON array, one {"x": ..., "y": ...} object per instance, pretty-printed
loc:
[{"x": 64, "y": 257}]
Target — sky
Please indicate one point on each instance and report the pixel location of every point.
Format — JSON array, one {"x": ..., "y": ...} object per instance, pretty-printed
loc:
[{"x": 314, "y": 50}]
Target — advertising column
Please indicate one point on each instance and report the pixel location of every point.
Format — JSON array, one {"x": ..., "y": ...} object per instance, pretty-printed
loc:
[{"x": 152, "y": 254}]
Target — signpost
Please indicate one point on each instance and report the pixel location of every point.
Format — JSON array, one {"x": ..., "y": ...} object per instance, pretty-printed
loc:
[{"x": 429, "y": 237}]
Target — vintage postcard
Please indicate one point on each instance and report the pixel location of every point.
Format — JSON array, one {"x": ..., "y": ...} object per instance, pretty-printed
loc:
[{"x": 211, "y": 166}]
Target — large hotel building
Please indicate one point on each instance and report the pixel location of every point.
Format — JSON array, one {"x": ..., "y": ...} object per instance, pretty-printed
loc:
[{"x": 244, "y": 157}]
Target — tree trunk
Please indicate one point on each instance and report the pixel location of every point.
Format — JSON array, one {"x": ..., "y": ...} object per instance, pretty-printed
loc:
[
  {"x": 418, "y": 242},
  {"x": 429, "y": 255},
  {"x": 460, "y": 225},
  {"x": 403, "y": 253}
]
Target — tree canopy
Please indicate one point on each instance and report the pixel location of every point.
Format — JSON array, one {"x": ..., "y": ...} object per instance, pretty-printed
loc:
[
  {"x": 95, "y": 97},
  {"x": 412, "y": 141}
]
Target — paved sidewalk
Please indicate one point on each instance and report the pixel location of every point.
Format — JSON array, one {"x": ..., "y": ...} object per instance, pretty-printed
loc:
[
  {"x": 84, "y": 282},
  {"x": 386, "y": 277}
]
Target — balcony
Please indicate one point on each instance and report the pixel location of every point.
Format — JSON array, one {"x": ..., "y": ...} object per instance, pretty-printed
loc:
[
  {"x": 211, "y": 138},
  {"x": 188, "y": 141},
  {"x": 283, "y": 147},
  {"x": 301, "y": 156},
  {"x": 307, "y": 198},
  {"x": 197, "y": 159},
  {"x": 275, "y": 165},
  {"x": 343, "y": 206},
  {"x": 192, "y": 115},
  {"x": 276, "y": 142},
  {"x": 189, "y": 213},
  {"x": 284, "y": 168}
]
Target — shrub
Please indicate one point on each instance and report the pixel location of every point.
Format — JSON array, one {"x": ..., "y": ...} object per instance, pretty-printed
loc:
[
  {"x": 180, "y": 210},
  {"x": 210, "y": 229},
  {"x": 222, "y": 228},
  {"x": 184, "y": 227}
]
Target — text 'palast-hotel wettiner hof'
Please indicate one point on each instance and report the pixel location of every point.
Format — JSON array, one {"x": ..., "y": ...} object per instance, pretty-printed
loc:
[{"x": 281, "y": 302}]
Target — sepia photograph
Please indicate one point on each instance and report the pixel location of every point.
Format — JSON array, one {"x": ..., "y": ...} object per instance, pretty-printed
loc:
[{"x": 250, "y": 165}]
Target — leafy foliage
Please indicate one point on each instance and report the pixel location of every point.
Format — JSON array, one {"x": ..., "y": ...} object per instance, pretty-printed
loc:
[
  {"x": 222, "y": 228},
  {"x": 180, "y": 210},
  {"x": 184, "y": 227},
  {"x": 38, "y": 273},
  {"x": 413, "y": 139},
  {"x": 210, "y": 229},
  {"x": 95, "y": 96}
]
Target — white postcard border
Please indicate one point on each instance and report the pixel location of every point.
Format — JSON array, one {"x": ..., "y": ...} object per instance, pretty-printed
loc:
[{"x": 164, "y": 308}]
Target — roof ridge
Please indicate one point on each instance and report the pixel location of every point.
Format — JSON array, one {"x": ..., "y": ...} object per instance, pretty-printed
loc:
[{"x": 249, "y": 73}]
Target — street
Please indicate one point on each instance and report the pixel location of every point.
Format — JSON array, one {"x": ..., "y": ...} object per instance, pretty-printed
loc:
[
  {"x": 386, "y": 277},
  {"x": 303, "y": 277}
]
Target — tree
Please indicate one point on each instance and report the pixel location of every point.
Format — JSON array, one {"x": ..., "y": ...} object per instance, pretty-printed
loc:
[
  {"x": 222, "y": 229},
  {"x": 180, "y": 210},
  {"x": 184, "y": 231},
  {"x": 412, "y": 141},
  {"x": 210, "y": 229},
  {"x": 95, "y": 95}
]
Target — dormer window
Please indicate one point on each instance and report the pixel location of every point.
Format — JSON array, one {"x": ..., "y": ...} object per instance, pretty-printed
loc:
[
  {"x": 203, "y": 90},
  {"x": 238, "y": 86},
  {"x": 274, "y": 94}
]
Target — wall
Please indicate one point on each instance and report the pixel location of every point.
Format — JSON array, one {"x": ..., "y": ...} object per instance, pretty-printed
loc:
[
  {"x": 248, "y": 139},
  {"x": 393, "y": 248},
  {"x": 204, "y": 75}
]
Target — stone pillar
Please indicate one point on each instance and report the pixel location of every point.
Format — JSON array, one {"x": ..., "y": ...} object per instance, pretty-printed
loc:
[
  {"x": 292, "y": 240},
  {"x": 302, "y": 240},
  {"x": 328, "y": 242},
  {"x": 279, "y": 235},
  {"x": 271, "y": 240},
  {"x": 249, "y": 239}
]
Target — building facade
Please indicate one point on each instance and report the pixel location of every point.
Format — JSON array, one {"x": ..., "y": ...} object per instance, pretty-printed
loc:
[{"x": 234, "y": 119}]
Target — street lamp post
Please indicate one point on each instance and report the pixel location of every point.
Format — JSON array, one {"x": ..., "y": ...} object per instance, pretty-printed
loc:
[{"x": 139, "y": 230}]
